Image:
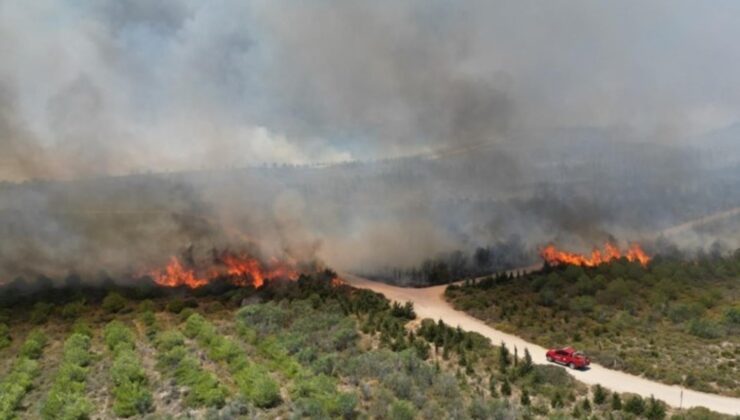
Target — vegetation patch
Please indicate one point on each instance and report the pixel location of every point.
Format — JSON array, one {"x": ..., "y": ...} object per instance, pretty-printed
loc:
[
  {"x": 67, "y": 398},
  {"x": 303, "y": 349},
  {"x": 203, "y": 388},
  {"x": 130, "y": 383},
  {"x": 23, "y": 373},
  {"x": 626, "y": 316}
]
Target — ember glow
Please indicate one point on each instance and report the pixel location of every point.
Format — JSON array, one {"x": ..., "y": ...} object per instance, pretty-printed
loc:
[
  {"x": 237, "y": 269},
  {"x": 555, "y": 256}
]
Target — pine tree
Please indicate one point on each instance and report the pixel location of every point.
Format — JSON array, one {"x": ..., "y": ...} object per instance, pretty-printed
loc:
[
  {"x": 655, "y": 410},
  {"x": 599, "y": 394},
  {"x": 503, "y": 357},
  {"x": 527, "y": 364},
  {"x": 505, "y": 388},
  {"x": 616, "y": 402},
  {"x": 576, "y": 413},
  {"x": 586, "y": 405},
  {"x": 525, "y": 397}
]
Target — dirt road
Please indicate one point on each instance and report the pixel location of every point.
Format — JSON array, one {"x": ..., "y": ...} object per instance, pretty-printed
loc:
[{"x": 429, "y": 303}]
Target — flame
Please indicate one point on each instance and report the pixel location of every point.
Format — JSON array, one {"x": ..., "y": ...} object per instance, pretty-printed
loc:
[
  {"x": 246, "y": 270},
  {"x": 175, "y": 274},
  {"x": 554, "y": 256},
  {"x": 238, "y": 269}
]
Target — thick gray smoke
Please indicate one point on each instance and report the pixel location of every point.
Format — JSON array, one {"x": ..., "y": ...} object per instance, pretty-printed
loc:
[{"x": 421, "y": 127}]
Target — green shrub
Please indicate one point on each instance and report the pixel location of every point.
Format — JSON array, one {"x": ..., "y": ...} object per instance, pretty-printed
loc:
[
  {"x": 76, "y": 350},
  {"x": 265, "y": 318},
  {"x": 176, "y": 306},
  {"x": 635, "y": 405},
  {"x": 194, "y": 326},
  {"x": 16, "y": 384},
  {"x": 75, "y": 406},
  {"x": 583, "y": 304},
  {"x": 40, "y": 312},
  {"x": 185, "y": 314},
  {"x": 655, "y": 410},
  {"x": 34, "y": 345},
  {"x": 705, "y": 328},
  {"x": 114, "y": 302},
  {"x": 551, "y": 375},
  {"x": 132, "y": 398},
  {"x": 402, "y": 410},
  {"x": 130, "y": 390},
  {"x": 699, "y": 413},
  {"x": 127, "y": 368},
  {"x": 148, "y": 318},
  {"x": 264, "y": 392},
  {"x": 204, "y": 388},
  {"x": 146, "y": 305},
  {"x": 169, "y": 340},
  {"x": 346, "y": 404},
  {"x": 72, "y": 310},
  {"x": 321, "y": 391},
  {"x": 617, "y": 292},
  {"x": 732, "y": 315},
  {"x": 118, "y": 336},
  {"x": 66, "y": 398},
  {"x": 82, "y": 327},
  {"x": 681, "y": 312},
  {"x": 254, "y": 382}
]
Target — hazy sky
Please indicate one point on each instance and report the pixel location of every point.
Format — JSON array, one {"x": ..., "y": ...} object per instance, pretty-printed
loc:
[{"x": 90, "y": 87}]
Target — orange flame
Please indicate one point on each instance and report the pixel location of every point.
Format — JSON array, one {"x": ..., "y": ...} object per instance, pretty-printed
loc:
[
  {"x": 175, "y": 274},
  {"x": 554, "y": 256},
  {"x": 240, "y": 270},
  {"x": 246, "y": 270}
]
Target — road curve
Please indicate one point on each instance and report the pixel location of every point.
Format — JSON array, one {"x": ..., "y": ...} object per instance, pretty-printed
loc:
[{"x": 429, "y": 302}]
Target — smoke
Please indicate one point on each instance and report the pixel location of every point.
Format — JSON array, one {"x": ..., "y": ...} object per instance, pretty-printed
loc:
[{"x": 378, "y": 133}]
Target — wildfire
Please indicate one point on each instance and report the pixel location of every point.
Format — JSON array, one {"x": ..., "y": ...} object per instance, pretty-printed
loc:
[
  {"x": 238, "y": 269},
  {"x": 246, "y": 270},
  {"x": 554, "y": 256}
]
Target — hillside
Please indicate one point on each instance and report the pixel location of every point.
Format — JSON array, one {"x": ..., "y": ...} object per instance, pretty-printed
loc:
[
  {"x": 305, "y": 349},
  {"x": 674, "y": 321}
]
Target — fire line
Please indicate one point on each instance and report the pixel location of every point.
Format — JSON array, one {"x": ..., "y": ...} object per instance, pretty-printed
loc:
[
  {"x": 237, "y": 269},
  {"x": 611, "y": 252}
]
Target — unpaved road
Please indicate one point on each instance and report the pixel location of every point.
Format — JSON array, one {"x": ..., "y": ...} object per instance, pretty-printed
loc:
[{"x": 429, "y": 302}]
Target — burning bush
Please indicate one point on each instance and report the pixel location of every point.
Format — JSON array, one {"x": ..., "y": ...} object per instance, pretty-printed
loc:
[
  {"x": 239, "y": 269},
  {"x": 554, "y": 256}
]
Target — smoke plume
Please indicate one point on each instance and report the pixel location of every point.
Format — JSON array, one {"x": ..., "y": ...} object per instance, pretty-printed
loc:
[{"x": 364, "y": 134}]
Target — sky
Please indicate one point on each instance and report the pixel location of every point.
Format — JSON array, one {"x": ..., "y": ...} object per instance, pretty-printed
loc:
[{"x": 115, "y": 87}]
